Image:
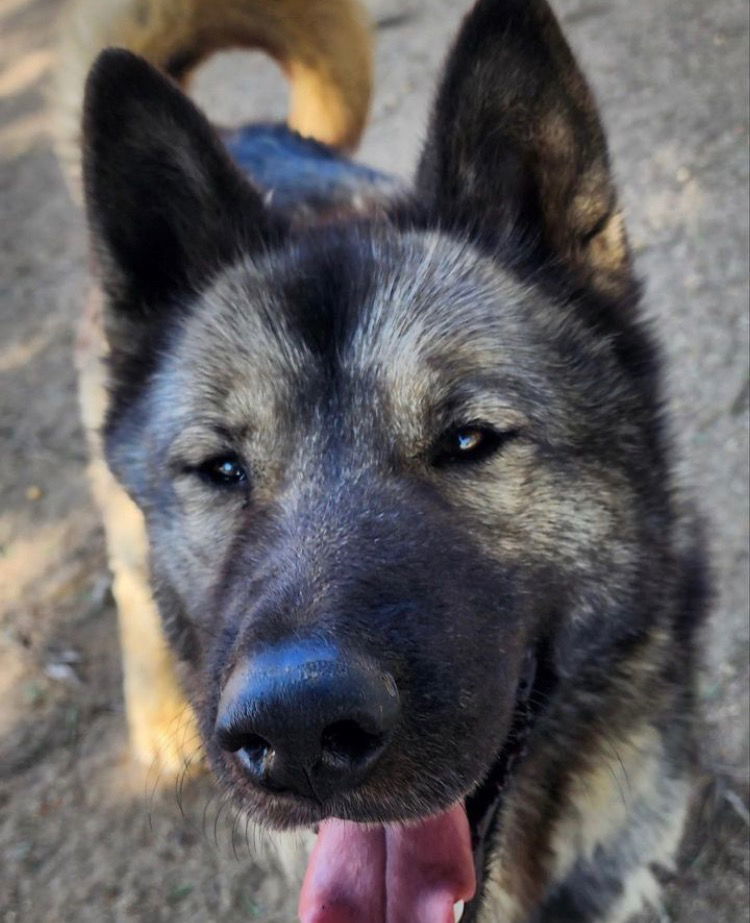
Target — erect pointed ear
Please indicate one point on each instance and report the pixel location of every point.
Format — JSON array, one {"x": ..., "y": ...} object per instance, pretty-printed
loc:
[
  {"x": 165, "y": 204},
  {"x": 516, "y": 144}
]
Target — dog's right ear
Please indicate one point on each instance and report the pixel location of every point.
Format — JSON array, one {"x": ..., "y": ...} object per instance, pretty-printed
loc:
[{"x": 166, "y": 206}]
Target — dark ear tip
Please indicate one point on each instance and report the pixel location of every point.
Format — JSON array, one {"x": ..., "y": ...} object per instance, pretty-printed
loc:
[
  {"x": 116, "y": 74},
  {"x": 120, "y": 87},
  {"x": 117, "y": 66}
]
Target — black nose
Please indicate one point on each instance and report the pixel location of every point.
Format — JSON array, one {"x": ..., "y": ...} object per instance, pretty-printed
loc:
[{"x": 306, "y": 719}]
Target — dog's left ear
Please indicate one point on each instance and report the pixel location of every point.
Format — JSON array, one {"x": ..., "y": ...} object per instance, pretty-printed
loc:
[{"x": 516, "y": 145}]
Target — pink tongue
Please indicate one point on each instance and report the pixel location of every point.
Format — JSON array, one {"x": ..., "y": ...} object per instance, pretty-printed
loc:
[{"x": 390, "y": 874}]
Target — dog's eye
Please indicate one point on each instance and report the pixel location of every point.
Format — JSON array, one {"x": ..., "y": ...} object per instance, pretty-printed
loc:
[
  {"x": 224, "y": 471},
  {"x": 469, "y": 444}
]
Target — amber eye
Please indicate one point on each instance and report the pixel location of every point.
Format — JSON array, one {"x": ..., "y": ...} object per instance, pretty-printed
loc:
[
  {"x": 224, "y": 471},
  {"x": 469, "y": 444},
  {"x": 469, "y": 440}
]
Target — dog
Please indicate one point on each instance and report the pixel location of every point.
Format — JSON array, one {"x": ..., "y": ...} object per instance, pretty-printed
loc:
[{"x": 388, "y": 490}]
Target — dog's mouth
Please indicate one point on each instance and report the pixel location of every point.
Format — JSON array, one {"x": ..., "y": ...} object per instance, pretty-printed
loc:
[{"x": 427, "y": 872}]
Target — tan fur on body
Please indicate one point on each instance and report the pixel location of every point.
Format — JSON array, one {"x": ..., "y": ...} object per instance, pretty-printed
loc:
[
  {"x": 323, "y": 46},
  {"x": 163, "y": 735}
]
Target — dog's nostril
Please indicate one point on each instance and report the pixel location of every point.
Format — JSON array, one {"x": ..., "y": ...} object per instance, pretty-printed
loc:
[
  {"x": 348, "y": 742},
  {"x": 255, "y": 747},
  {"x": 254, "y": 752},
  {"x": 233, "y": 740},
  {"x": 258, "y": 756}
]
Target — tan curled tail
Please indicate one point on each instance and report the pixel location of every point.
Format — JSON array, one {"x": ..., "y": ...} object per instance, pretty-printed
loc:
[{"x": 323, "y": 46}]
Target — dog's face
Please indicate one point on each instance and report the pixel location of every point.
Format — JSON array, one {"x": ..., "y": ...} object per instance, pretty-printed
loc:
[
  {"x": 409, "y": 445},
  {"x": 329, "y": 451}
]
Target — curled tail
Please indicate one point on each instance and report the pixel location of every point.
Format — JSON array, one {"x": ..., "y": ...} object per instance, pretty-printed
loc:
[{"x": 323, "y": 46}]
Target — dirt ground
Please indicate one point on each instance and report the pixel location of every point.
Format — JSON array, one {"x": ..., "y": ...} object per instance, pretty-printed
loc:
[{"x": 83, "y": 836}]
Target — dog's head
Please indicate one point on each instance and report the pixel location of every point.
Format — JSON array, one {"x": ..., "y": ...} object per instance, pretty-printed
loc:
[{"x": 390, "y": 468}]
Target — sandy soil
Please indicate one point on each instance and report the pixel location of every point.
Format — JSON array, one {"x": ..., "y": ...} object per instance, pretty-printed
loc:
[{"x": 83, "y": 836}]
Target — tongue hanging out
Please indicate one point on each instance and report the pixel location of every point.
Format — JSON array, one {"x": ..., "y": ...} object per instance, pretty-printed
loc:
[{"x": 393, "y": 874}]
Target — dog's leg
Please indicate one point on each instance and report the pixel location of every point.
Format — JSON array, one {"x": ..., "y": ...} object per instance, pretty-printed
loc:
[{"x": 162, "y": 726}]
